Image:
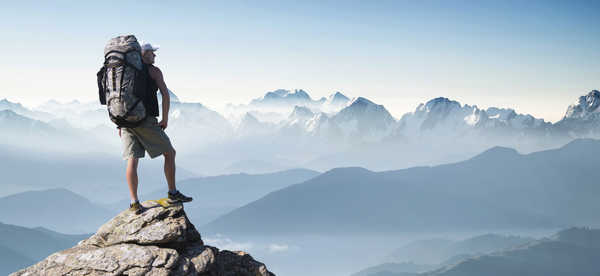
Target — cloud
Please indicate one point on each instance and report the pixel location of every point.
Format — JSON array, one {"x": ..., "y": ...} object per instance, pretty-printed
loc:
[
  {"x": 223, "y": 242},
  {"x": 228, "y": 244},
  {"x": 274, "y": 248}
]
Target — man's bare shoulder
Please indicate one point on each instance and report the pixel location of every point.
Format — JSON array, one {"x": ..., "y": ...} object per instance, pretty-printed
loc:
[{"x": 154, "y": 71}]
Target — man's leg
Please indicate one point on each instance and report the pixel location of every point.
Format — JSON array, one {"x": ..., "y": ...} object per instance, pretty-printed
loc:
[
  {"x": 132, "y": 178},
  {"x": 173, "y": 194},
  {"x": 170, "y": 169},
  {"x": 154, "y": 140}
]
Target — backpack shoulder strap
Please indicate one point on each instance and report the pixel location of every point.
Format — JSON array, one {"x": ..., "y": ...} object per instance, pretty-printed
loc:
[{"x": 101, "y": 91}]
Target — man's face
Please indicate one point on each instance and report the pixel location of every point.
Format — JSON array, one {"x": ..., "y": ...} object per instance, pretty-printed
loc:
[{"x": 148, "y": 57}]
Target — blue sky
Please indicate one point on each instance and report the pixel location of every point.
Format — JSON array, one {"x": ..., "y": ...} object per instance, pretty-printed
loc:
[{"x": 534, "y": 56}]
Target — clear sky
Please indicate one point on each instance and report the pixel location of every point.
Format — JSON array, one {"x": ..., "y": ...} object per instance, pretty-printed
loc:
[{"x": 534, "y": 56}]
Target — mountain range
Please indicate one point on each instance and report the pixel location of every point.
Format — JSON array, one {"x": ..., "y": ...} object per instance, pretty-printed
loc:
[
  {"x": 53, "y": 208},
  {"x": 57, "y": 209},
  {"x": 293, "y": 130},
  {"x": 438, "y": 114},
  {"x": 213, "y": 195},
  {"x": 97, "y": 176},
  {"x": 33, "y": 134},
  {"x": 435, "y": 251},
  {"x": 497, "y": 189},
  {"x": 572, "y": 251}
]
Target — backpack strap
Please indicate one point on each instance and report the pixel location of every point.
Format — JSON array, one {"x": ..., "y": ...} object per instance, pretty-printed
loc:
[
  {"x": 118, "y": 52},
  {"x": 120, "y": 61},
  {"x": 114, "y": 64},
  {"x": 100, "y": 78}
]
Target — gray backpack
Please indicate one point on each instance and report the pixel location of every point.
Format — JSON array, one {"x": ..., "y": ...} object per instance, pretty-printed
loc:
[{"x": 122, "y": 81}]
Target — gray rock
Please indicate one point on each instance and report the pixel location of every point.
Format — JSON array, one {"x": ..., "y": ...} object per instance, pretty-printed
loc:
[
  {"x": 160, "y": 241},
  {"x": 156, "y": 225}
]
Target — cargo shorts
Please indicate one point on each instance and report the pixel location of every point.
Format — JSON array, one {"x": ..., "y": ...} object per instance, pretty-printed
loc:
[{"x": 148, "y": 136}]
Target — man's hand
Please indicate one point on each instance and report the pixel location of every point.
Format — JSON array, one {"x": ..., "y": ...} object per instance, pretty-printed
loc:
[{"x": 163, "y": 123}]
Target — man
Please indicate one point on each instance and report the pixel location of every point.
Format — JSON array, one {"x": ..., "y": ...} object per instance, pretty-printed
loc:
[{"x": 150, "y": 135}]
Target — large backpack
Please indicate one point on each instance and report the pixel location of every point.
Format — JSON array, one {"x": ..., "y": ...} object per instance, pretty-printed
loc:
[{"x": 122, "y": 81}]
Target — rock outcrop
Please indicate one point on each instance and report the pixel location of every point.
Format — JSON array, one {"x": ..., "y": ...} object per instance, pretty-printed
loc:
[{"x": 160, "y": 241}]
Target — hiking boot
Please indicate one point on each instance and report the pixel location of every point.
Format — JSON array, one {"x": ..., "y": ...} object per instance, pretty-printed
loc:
[
  {"x": 135, "y": 207},
  {"x": 179, "y": 197}
]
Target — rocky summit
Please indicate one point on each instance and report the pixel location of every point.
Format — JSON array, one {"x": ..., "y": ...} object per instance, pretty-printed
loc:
[{"x": 159, "y": 241}]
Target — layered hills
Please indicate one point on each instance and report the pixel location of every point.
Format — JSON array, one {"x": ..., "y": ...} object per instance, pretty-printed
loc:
[
  {"x": 215, "y": 196},
  {"x": 21, "y": 246},
  {"x": 572, "y": 251},
  {"x": 58, "y": 209},
  {"x": 498, "y": 189},
  {"x": 99, "y": 177}
]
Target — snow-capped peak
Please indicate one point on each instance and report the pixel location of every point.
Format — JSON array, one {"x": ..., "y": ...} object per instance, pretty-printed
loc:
[
  {"x": 439, "y": 104},
  {"x": 278, "y": 92},
  {"x": 282, "y": 93},
  {"x": 299, "y": 93},
  {"x": 585, "y": 106},
  {"x": 19, "y": 109},
  {"x": 504, "y": 114},
  {"x": 301, "y": 112},
  {"x": 362, "y": 107},
  {"x": 443, "y": 115},
  {"x": 317, "y": 123},
  {"x": 333, "y": 102},
  {"x": 6, "y": 104},
  {"x": 360, "y": 101},
  {"x": 336, "y": 98},
  {"x": 364, "y": 118},
  {"x": 284, "y": 97}
]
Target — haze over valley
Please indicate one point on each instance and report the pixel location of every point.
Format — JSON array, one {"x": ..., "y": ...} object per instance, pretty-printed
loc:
[{"x": 287, "y": 129}]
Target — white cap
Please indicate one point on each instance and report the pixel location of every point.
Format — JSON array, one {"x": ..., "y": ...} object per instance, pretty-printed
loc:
[{"x": 149, "y": 47}]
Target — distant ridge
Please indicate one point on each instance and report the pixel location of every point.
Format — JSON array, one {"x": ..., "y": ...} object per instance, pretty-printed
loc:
[
  {"x": 21, "y": 246},
  {"x": 53, "y": 208},
  {"x": 573, "y": 251},
  {"x": 507, "y": 190},
  {"x": 576, "y": 255}
]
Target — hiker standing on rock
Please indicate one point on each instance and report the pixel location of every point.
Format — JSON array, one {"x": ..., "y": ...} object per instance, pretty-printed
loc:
[{"x": 128, "y": 86}]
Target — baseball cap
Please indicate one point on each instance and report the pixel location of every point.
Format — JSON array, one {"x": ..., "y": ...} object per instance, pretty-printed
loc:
[{"x": 149, "y": 47}]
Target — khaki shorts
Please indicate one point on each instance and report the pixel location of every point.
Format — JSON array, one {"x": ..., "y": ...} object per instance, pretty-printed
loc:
[{"x": 149, "y": 136}]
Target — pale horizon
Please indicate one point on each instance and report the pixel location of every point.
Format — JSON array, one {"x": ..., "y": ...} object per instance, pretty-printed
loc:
[
  {"x": 535, "y": 57},
  {"x": 396, "y": 109}
]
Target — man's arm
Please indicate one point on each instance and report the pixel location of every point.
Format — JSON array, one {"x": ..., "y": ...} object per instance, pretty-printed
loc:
[{"x": 157, "y": 75}]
